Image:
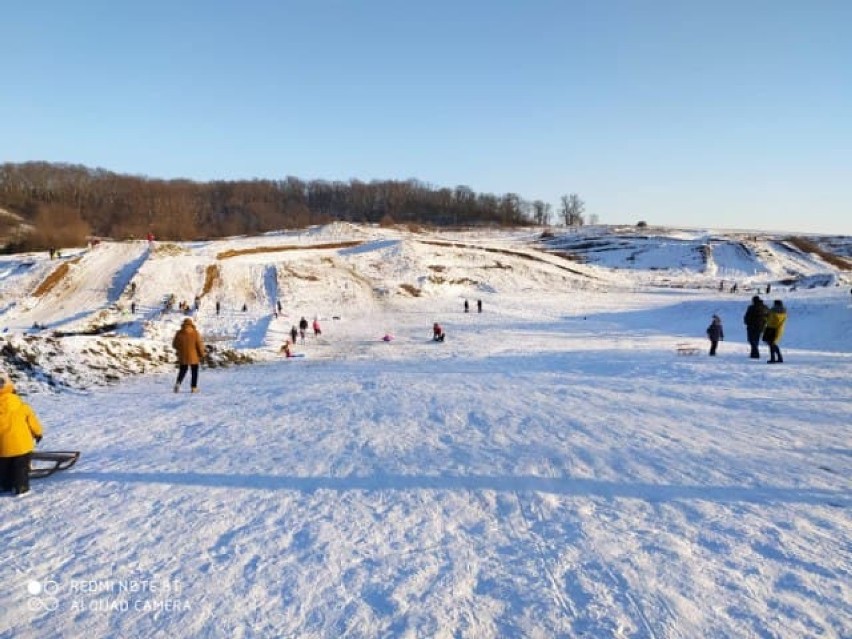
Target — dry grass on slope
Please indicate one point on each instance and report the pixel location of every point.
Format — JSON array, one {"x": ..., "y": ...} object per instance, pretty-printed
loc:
[
  {"x": 277, "y": 249},
  {"x": 807, "y": 246},
  {"x": 212, "y": 276},
  {"x": 525, "y": 256},
  {"x": 59, "y": 274},
  {"x": 310, "y": 277}
]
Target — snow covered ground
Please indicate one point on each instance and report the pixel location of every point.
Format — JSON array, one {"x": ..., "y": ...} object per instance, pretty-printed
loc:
[{"x": 554, "y": 469}]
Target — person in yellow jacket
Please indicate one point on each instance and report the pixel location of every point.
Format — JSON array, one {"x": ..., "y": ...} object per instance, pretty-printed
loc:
[
  {"x": 19, "y": 426},
  {"x": 775, "y": 322},
  {"x": 190, "y": 352}
]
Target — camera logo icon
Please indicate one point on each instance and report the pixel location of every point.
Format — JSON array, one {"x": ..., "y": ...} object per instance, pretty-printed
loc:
[{"x": 42, "y": 595}]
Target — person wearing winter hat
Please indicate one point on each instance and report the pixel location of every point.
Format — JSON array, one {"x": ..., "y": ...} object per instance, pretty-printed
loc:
[
  {"x": 19, "y": 426},
  {"x": 190, "y": 351},
  {"x": 755, "y": 321},
  {"x": 775, "y": 323},
  {"x": 715, "y": 333}
]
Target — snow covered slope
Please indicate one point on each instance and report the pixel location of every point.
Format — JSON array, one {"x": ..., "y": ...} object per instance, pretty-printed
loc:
[
  {"x": 366, "y": 280},
  {"x": 554, "y": 469}
]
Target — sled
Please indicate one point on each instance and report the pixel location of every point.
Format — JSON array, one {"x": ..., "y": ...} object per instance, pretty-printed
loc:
[
  {"x": 687, "y": 349},
  {"x": 45, "y": 463}
]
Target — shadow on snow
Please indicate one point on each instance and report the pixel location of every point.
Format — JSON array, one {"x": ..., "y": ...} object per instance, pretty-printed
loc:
[{"x": 554, "y": 485}]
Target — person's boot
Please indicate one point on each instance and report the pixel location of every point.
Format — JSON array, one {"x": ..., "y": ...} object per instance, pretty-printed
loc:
[{"x": 177, "y": 388}]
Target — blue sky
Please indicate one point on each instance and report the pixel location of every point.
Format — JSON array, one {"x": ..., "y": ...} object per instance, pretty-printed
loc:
[{"x": 731, "y": 114}]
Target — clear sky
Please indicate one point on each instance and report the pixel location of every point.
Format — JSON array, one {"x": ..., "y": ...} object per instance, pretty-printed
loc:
[{"x": 723, "y": 113}]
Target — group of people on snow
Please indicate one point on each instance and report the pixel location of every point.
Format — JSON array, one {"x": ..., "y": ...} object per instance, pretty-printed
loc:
[
  {"x": 295, "y": 333},
  {"x": 762, "y": 323},
  {"x": 478, "y": 306}
]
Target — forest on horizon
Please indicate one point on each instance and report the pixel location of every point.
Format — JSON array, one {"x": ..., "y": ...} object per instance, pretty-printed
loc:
[{"x": 64, "y": 205}]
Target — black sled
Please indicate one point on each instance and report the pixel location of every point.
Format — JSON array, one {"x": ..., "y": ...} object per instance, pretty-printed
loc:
[{"x": 45, "y": 463}]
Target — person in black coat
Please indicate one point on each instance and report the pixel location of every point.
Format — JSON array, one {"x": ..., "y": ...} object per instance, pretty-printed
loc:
[
  {"x": 755, "y": 321},
  {"x": 715, "y": 333}
]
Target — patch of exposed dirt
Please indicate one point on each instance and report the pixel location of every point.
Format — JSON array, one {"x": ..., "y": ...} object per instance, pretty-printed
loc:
[
  {"x": 169, "y": 249},
  {"x": 212, "y": 276},
  {"x": 310, "y": 277},
  {"x": 224, "y": 255},
  {"x": 435, "y": 279},
  {"x": 59, "y": 274},
  {"x": 525, "y": 256},
  {"x": 806, "y": 246},
  {"x": 498, "y": 264}
]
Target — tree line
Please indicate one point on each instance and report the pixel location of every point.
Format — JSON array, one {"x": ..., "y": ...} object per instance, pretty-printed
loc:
[{"x": 65, "y": 204}]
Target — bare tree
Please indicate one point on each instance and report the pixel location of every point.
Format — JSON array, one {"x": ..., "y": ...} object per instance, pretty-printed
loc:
[
  {"x": 572, "y": 210},
  {"x": 541, "y": 213}
]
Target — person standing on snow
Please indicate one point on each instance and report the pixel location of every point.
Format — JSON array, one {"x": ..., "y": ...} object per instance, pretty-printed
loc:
[
  {"x": 294, "y": 333},
  {"x": 715, "y": 333},
  {"x": 317, "y": 330},
  {"x": 755, "y": 321},
  {"x": 775, "y": 322},
  {"x": 303, "y": 327},
  {"x": 19, "y": 426},
  {"x": 190, "y": 351}
]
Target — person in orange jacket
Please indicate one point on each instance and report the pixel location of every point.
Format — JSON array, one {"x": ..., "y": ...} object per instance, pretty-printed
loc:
[
  {"x": 19, "y": 426},
  {"x": 190, "y": 351}
]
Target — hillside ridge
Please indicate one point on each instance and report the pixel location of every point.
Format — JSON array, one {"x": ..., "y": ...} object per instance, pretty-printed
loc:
[{"x": 113, "y": 307}]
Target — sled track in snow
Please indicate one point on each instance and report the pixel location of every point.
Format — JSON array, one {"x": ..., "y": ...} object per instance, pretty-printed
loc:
[{"x": 564, "y": 603}]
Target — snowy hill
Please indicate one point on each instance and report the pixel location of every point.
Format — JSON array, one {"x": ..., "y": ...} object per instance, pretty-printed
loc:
[
  {"x": 366, "y": 280},
  {"x": 554, "y": 469}
]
